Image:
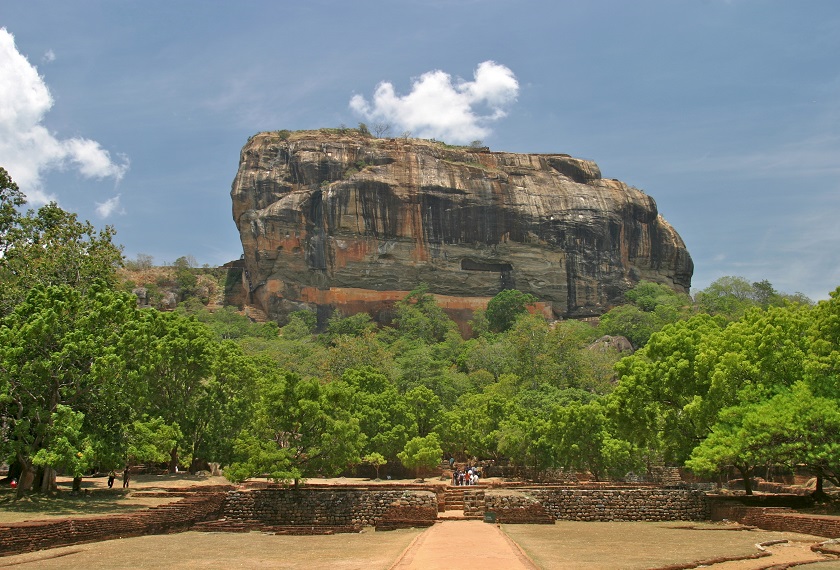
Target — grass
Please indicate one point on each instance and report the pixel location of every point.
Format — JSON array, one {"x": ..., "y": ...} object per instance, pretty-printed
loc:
[
  {"x": 367, "y": 550},
  {"x": 96, "y": 499},
  {"x": 39, "y": 507},
  {"x": 637, "y": 545}
]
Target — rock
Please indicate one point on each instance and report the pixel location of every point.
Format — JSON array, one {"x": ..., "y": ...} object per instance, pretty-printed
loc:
[
  {"x": 608, "y": 342},
  {"x": 332, "y": 219}
]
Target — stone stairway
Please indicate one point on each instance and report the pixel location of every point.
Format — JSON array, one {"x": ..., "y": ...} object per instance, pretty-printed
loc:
[
  {"x": 454, "y": 498},
  {"x": 463, "y": 503},
  {"x": 255, "y": 314}
]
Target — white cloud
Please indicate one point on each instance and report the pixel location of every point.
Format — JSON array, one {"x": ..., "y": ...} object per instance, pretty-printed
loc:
[
  {"x": 108, "y": 207},
  {"x": 438, "y": 107},
  {"x": 27, "y": 148},
  {"x": 48, "y": 57}
]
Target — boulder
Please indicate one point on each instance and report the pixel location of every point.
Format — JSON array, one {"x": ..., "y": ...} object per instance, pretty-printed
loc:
[{"x": 336, "y": 220}]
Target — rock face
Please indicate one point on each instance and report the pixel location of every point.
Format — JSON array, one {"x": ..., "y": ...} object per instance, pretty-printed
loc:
[{"x": 333, "y": 219}]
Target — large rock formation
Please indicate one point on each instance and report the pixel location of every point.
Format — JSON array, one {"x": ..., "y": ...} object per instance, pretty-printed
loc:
[{"x": 333, "y": 219}]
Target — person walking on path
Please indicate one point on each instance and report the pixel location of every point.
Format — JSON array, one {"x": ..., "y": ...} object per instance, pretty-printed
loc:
[
  {"x": 126, "y": 476},
  {"x": 111, "y": 477}
]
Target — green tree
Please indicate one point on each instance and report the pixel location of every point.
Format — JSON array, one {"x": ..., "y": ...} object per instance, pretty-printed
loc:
[
  {"x": 472, "y": 427},
  {"x": 301, "y": 325},
  {"x": 793, "y": 428},
  {"x": 506, "y": 307},
  {"x": 657, "y": 387},
  {"x": 727, "y": 296},
  {"x": 731, "y": 442},
  {"x": 223, "y": 405},
  {"x": 356, "y": 325},
  {"x": 384, "y": 416},
  {"x": 652, "y": 306},
  {"x": 349, "y": 352},
  {"x": 823, "y": 358},
  {"x": 11, "y": 198},
  {"x": 67, "y": 446},
  {"x": 422, "y": 453},
  {"x": 425, "y": 407},
  {"x": 51, "y": 247},
  {"x": 584, "y": 439},
  {"x": 419, "y": 317},
  {"x": 150, "y": 440},
  {"x": 179, "y": 354},
  {"x": 542, "y": 354},
  {"x": 376, "y": 460},
  {"x": 185, "y": 277},
  {"x": 62, "y": 346},
  {"x": 524, "y": 437},
  {"x": 490, "y": 353},
  {"x": 631, "y": 322},
  {"x": 300, "y": 428}
]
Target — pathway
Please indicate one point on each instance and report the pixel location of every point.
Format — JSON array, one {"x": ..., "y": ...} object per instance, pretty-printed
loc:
[{"x": 453, "y": 544}]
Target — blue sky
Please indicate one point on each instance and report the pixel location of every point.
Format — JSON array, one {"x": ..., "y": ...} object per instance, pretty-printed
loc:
[{"x": 727, "y": 112}]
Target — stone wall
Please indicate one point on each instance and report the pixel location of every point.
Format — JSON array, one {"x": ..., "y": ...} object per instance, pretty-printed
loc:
[
  {"x": 340, "y": 507},
  {"x": 517, "y": 508},
  {"x": 619, "y": 504},
  {"x": 354, "y": 507},
  {"x": 474, "y": 502}
]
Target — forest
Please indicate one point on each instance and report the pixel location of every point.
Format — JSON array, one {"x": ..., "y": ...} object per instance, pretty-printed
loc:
[{"x": 739, "y": 376}]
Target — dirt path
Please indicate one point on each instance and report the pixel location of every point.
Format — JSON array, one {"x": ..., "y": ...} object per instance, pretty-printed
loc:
[{"x": 455, "y": 544}]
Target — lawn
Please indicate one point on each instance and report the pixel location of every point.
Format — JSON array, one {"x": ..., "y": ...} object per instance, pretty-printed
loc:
[{"x": 638, "y": 545}]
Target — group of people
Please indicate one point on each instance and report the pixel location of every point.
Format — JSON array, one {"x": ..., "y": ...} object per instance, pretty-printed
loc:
[
  {"x": 126, "y": 476},
  {"x": 469, "y": 476}
]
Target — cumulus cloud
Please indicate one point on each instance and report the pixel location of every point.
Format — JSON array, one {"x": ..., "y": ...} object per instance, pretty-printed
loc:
[
  {"x": 108, "y": 207},
  {"x": 441, "y": 107},
  {"x": 27, "y": 149}
]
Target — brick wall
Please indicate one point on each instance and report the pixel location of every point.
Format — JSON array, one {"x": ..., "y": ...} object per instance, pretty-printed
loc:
[
  {"x": 16, "y": 538},
  {"x": 775, "y": 518}
]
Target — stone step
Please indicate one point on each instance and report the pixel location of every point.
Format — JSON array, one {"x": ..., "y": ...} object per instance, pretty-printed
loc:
[
  {"x": 255, "y": 314},
  {"x": 455, "y": 516}
]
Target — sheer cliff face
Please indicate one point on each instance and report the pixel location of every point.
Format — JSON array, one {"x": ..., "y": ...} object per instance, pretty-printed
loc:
[{"x": 348, "y": 222}]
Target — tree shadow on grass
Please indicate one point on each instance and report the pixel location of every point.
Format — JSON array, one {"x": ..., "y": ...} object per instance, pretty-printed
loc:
[{"x": 66, "y": 504}]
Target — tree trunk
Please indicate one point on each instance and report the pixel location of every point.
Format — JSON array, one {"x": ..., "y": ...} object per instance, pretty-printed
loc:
[
  {"x": 173, "y": 459},
  {"x": 27, "y": 476},
  {"x": 48, "y": 483},
  {"x": 819, "y": 494},
  {"x": 746, "y": 473}
]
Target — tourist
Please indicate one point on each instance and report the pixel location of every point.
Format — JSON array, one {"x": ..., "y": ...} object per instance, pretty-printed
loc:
[
  {"x": 126, "y": 476},
  {"x": 111, "y": 476}
]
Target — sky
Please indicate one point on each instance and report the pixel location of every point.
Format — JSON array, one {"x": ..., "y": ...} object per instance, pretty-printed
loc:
[{"x": 726, "y": 112}]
